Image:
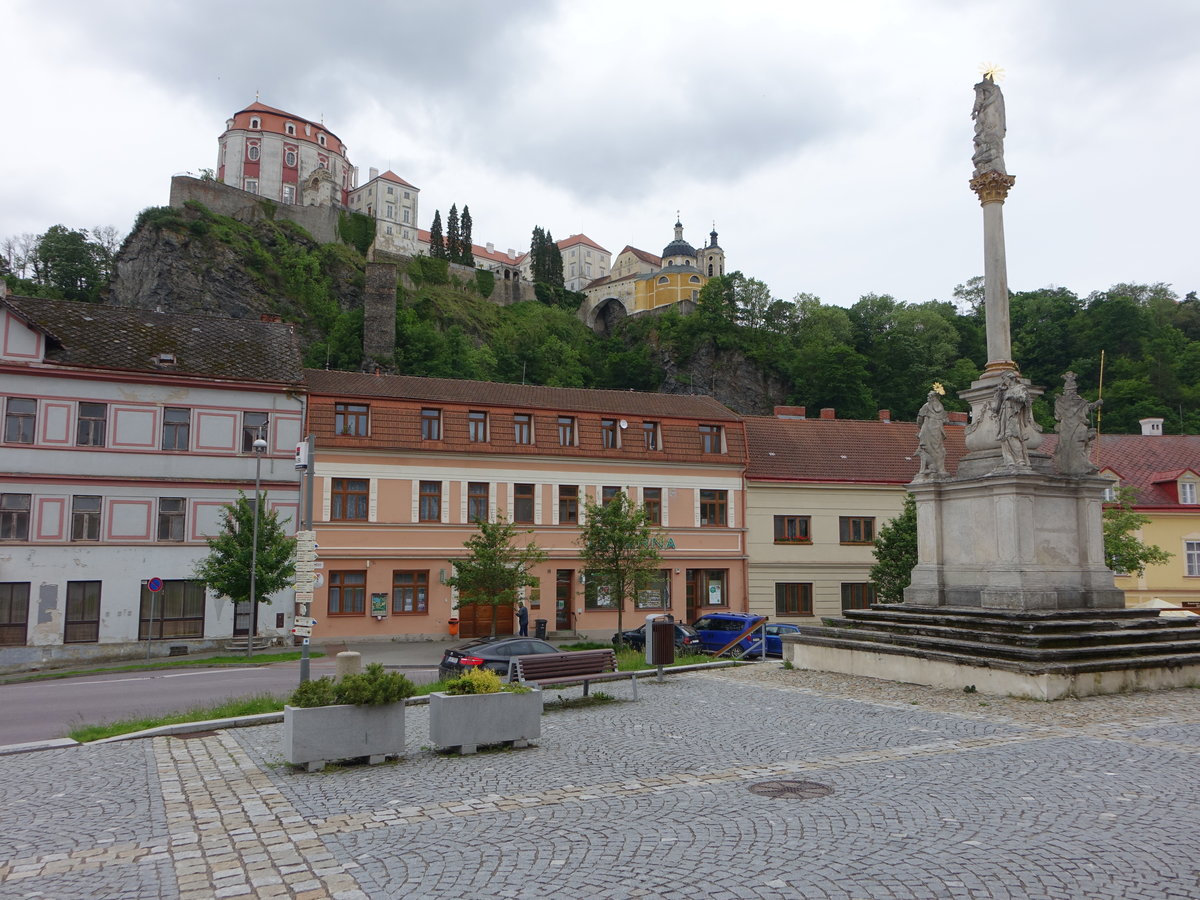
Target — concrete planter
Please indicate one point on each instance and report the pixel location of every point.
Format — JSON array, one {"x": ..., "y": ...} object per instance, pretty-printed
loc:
[
  {"x": 315, "y": 735},
  {"x": 470, "y": 721}
]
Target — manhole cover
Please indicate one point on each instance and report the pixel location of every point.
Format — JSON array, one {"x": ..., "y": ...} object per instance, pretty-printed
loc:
[{"x": 799, "y": 790}]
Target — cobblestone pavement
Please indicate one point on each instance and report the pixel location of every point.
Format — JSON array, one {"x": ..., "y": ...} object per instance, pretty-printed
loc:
[{"x": 930, "y": 794}]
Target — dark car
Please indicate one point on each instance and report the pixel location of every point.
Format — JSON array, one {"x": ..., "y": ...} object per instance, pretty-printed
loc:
[
  {"x": 752, "y": 646},
  {"x": 489, "y": 653},
  {"x": 686, "y": 638}
]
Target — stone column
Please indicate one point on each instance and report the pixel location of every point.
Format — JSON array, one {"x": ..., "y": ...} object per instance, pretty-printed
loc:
[{"x": 992, "y": 188}]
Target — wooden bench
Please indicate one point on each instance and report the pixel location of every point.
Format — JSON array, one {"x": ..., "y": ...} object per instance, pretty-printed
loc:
[{"x": 573, "y": 667}]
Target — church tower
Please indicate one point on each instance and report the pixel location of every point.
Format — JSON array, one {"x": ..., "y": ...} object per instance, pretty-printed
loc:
[
  {"x": 679, "y": 252},
  {"x": 712, "y": 257}
]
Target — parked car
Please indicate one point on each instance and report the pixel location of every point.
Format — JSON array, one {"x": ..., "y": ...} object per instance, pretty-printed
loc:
[
  {"x": 686, "y": 638},
  {"x": 489, "y": 653},
  {"x": 718, "y": 629},
  {"x": 752, "y": 646}
]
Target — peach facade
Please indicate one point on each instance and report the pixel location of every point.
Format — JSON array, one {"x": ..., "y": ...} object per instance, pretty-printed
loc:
[{"x": 404, "y": 466}]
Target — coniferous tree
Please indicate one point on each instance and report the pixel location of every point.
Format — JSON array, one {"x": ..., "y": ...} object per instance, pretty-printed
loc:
[
  {"x": 554, "y": 263},
  {"x": 437, "y": 246},
  {"x": 537, "y": 256},
  {"x": 453, "y": 235},
  {"x": 466, "y": 257}
]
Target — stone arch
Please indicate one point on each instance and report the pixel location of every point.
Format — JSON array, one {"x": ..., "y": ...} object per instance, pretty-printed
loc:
[{"x": 605, "y": 314}]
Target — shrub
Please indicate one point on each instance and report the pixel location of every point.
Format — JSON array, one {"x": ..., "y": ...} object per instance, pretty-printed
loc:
[
  {"x": 372, "y": 687},
  {"x": 477, "y": 681},
  {"x": 485, "y": 282},
  {"x": 357, "y": 230}
]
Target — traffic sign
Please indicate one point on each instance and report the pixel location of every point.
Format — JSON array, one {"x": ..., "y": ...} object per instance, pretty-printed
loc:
[{"x": 154, "y": 585}]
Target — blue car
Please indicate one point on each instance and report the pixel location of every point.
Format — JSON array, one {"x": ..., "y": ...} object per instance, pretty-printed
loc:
[
  {"x": 718, "y": 629},
  {"x": 752, "y": 646}
]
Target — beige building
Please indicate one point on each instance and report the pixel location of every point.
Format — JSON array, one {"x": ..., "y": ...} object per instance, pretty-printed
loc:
[
  {"x": 392, "y": 202},
  {"x": 817, "y": 492}
]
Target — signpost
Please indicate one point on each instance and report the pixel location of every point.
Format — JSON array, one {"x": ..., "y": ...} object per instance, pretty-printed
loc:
[
  {"x": 153, "y": 585},
  {"x": 306, "y": 550}
]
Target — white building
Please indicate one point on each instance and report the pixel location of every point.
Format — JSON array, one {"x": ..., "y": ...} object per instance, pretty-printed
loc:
[
  {"x": 124, "y": 432},
  {"x": 392, "y": 202}
]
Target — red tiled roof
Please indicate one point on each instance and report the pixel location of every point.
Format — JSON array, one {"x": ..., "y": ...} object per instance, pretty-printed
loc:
[
  {"x": 389, "y": 175},
  {"x": 517, "y": 396},
  {"x": 574, "y": 239},
  {"x": 839, "y": 450},
  {"x": 1142, "y": 461},
  {"x": 257, "y": 106},
  {"x": 644, "y": 255},
  {"x": 478, "y": 251}
]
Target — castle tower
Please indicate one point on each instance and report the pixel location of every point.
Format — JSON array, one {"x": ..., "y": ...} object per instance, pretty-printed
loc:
[
  {"x": 679, "y": 252},
  {"x": 712, "y": 257}
]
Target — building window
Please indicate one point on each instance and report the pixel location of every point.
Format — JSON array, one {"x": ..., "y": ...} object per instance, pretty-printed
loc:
[
  {"x": 410, "y": 593},
  {"x": 254, "y": 426},
  {"x": 348, "y": 499},
  {"x": 431, "y": 424},
  {"x": 347, "y": 593},
  {"x": 566, "y": 431},
  {"x": 609, "y": 434},
  {"x": 793, "y": 599},
  {"x": 652, "y": 501},
  {"x": 858, "y": 595},
  {"x": 171, "y": 511},
  {"x": 1187, "y": 492},
  {"x": 406, "y": 219},
  {"x": 657, "y": 594},
  {"x": 523, "y": 428},
  {"x": 477, "y": 426},
  {"x": 250, "y": 185},
  {"x": 650, "y": 435},
  {"x": 82, "y": 619},
  {"x": 709, "y": 586},
  {"x": 85, "y": 518},
  {"x": 1192, "y": 554},
  {"x": 568, "y": 504},
  {"x": 523, "y": 501},
  {"x": 252, "y": 153},
  {"x": 14, "y": 517},
  {"x": 255, "y": 122},
  {"x": 856, "y": 529},
  {"x": 89, "y": 429},
  {"x": 608, "y": 494},
  {"x": 321, "y": 139},
  {"x": 792, "y": 530},
  {"x": 289, "y": 158},
  {"x": 431, "y": 501},
  {"x": 289, "y": 128},
  {"x": 1110, "y": 494},
  {"x": 710, "y": 438},
  {"x": 19, "y": 420},
  {"x": 713, "y": 507},
  {"x": 174, "y": 612},
  {"x": 350, "y": 419},
  {"x": 289, "y": 194},
  {"x": 177, "y": 428},
  {"x": 14, "y": 613},
  {"x": 477, "y": 501}
]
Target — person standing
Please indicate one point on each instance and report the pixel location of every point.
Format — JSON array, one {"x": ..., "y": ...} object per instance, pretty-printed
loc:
[{"x": 522, "y": 619}]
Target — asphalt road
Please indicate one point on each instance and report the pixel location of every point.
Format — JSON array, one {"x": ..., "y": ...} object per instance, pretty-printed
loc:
[{"x": 42, "y": 710}]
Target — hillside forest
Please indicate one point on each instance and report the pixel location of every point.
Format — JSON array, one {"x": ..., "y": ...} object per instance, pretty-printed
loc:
[{"x": 878, "y": 352}]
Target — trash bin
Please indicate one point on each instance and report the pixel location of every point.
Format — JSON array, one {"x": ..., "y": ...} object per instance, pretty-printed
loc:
[
  {"x": 452, "y": 622},
  {"x": 539, "y": 628}
]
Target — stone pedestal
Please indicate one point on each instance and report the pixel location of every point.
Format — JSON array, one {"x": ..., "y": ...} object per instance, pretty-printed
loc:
[{"x": 1012, "y": 541}]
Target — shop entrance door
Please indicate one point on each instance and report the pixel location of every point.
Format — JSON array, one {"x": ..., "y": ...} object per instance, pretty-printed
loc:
[
  {"x": 692, "y": 612},
  {"x": 563, "y": 596}
]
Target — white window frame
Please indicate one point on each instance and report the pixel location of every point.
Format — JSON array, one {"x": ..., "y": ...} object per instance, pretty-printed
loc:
[{"x": 1191, "y": 555}]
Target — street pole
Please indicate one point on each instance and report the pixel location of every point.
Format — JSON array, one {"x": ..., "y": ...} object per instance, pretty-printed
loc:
[
  {"x": 259, "y": 447},
  {"x": 306, "y": 504}
]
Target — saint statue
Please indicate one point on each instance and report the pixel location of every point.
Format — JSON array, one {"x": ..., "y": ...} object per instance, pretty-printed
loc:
[
  {"x": 931, "y": 437},
  {"x": 1012, "y": 410},
  {"x": 1075, "y": 435},
  {"x": 989, "y": 127}
]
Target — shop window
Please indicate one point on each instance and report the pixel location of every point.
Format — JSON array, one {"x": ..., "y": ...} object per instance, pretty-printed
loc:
[
  {"x": 347, "y": 593},
  {"x": 657, "y": 593},
  {"x": 410, "y": 593},
  {"x": 348, "y": 499},
  {"x": 793, "y": 599},
  {"x": 711, "y": 586}
]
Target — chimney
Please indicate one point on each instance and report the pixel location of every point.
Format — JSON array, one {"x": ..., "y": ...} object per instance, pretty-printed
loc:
[
  {"x": 1151, "y": 426},
  {"x": 829, "y": 413},
  {"x": 789, "y": 412},
  {"x": 885, "y": 415},
  {"x": 374, "y": 173},
  {"x": 491, "y": 248},
  {"x": 270, "y": 317},
  {"x": 957, "y": 418}
]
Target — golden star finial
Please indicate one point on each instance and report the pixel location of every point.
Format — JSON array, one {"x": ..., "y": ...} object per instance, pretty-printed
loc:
[{"x": 992, "y": 72}]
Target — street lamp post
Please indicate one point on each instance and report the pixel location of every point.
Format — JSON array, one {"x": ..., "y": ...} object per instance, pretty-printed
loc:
[{"x": 260, "y": 447}]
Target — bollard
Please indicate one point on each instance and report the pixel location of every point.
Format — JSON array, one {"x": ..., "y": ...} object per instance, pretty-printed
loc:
[{"x": 348, "y": 662}]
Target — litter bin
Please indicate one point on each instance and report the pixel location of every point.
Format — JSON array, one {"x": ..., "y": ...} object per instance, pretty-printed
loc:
[
  {"x": 539, "y": 628},
  {"x": 452, "y": 622}
]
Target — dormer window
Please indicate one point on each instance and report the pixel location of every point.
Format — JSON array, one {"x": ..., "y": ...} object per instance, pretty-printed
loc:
[
  {"x": 290, "y": 128},
  {"x": 165, "y": 359},
  {"x": 255, "y": 122},
  {"x": 321, "y": 139},
  {"x": 1187, "y": 492}
]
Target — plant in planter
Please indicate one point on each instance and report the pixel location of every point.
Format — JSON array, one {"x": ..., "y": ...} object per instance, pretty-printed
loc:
[
  {"x": 476, "y": 710},
  {"x": 361, "y": 715}
]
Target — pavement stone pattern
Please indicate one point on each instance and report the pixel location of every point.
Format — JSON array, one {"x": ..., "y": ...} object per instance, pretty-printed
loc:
[{"x": 935, "y": 794}]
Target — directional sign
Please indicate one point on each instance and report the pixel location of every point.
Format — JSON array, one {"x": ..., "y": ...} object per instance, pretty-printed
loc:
[
  {"x": 303, "y": 630},
  {"x": 309, "y": 536},
  {"x": 154, "y": 585},
  {"x": 305, "y": 621},
  {"x": 304, "y": 596}
]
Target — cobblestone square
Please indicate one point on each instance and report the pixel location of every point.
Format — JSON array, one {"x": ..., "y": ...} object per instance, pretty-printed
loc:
[{"x": 927, "y": 794}]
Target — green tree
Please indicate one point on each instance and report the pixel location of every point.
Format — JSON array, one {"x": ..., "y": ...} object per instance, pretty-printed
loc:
[
  {"x": 466, "y": 257},
  {"x": 226, "y": 569},
  {"x": 1123, "y": 550},
  {"x": 453, "y": 235},
  {"x": 69, "y": 262},
  {"x": 896, "y": 554},
  {"x": 437, "y": 244},
  {"x": 545, "y": 259},
  {"x": 494, "y": 569},
  {"x": 616, "y": 550}
]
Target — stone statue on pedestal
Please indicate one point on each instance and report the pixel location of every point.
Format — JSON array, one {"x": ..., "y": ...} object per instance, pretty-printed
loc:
[
  {"x": 1075, "y": 435},
  {"x": 989, "y": 127},
  {"x": 1012, "y": 411},
  {"x": 931, "y": 437}
]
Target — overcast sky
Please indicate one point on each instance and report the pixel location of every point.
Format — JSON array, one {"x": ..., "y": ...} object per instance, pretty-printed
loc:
[{"x": 829, "y": 142}]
